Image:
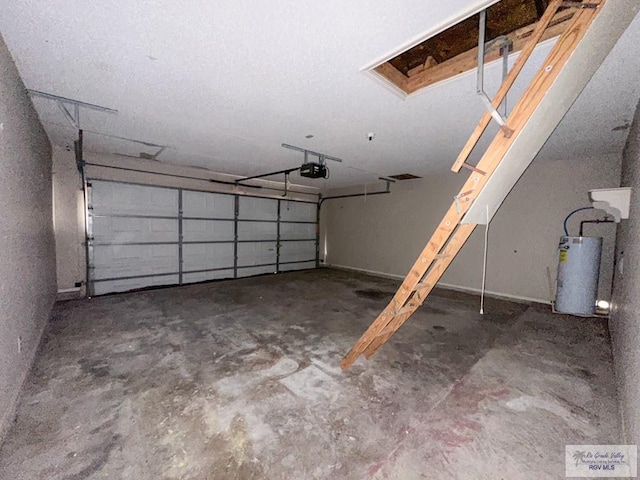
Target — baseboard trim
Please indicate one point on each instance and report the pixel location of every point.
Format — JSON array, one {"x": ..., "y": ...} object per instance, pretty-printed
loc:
[
  {"x": 69, "y": 294},
  {"x": 489, "y": 293},
  {"x": 364, "y": 270},
  {"x": 447, "y": 286}
]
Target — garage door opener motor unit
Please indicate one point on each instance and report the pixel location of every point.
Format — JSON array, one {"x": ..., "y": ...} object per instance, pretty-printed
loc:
[{"x": 314, "y": 170}]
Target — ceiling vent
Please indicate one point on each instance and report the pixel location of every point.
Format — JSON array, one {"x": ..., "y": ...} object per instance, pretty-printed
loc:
[{"x": 404, "y": 176}]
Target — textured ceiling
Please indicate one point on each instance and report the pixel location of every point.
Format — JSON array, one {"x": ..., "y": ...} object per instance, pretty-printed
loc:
[{"x": 223, "y": 84}]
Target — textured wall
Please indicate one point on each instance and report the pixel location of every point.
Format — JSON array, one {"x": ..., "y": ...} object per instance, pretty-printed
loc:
[
  {"x": 385, "y": 233},
  {"x": 625, "y": 320},
  {"x": 27, "y": 256},
  {"x": 68, "y": 211}
]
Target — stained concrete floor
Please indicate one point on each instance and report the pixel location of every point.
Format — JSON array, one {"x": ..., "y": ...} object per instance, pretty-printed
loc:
[{"x": 241, "y": 380}]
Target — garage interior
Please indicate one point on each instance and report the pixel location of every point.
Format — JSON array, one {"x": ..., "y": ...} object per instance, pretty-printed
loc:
[{"x": 209, "y": 208}]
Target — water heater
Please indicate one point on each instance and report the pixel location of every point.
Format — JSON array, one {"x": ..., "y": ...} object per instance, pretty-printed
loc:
[{"x": 578, "y": 272}]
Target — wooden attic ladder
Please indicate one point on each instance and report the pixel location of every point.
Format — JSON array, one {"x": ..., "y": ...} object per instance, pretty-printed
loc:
[{"x": 576, "y": 55}]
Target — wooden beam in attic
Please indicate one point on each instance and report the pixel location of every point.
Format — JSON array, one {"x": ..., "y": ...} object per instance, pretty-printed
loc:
[
  {"x": 392, "y": 74},
  {"x": 431, "y": 72},
  {"x": 428, "y": 63}
]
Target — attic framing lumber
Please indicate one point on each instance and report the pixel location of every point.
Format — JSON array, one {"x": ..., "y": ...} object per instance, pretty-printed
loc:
[
  {"x": 450, "y": 235},
  {"x": 539, "y": 30},
  {"x": 468, "y": 60},
  {"x": 432, "y": 72}
]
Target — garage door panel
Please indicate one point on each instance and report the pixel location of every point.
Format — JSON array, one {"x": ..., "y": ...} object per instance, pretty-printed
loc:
[
  {"x": 256, "y": 253},
  {"x": 205, "y": 276},
  {"x": 257, "y": 231},
  {"x": 207, "y": 205},
  {"x": 288, "y": 267},
  {"x": 297, "y": 231},
  {"x": 251, "y": 208},
  {"x": 201, "y": 256},
  {"x": 114, "y": 286},
  {"x": 136, "y": 231},
  {"x": 111, "y": 198},
  {"x": 132, "y": 230},
  {"x": 297, "y": 251},
  {"x": 207, "y": 230},
  {"x": 115, "y": 261},
  {"x": 298, "y": 211},
  {"x": 250, "y": 271}
]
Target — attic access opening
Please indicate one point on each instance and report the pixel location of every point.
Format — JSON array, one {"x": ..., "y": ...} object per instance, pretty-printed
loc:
[{"x": 454, "y": 50}]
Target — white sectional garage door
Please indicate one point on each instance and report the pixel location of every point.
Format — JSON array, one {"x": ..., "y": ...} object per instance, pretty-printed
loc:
[
  {"x": 298, "y": 224},
  {"x": 143, "y": 236}
]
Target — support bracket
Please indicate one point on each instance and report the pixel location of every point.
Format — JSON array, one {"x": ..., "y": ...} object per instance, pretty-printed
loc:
[
  {"x": 321, "y": 156},
  {"x": 497, "y": 116},
  {"x": 473, "y": 169},
  {"x": 64, "y": 102}
]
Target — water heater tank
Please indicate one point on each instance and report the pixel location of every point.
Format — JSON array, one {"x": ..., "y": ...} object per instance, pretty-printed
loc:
[{"x": 578, "y": 272}]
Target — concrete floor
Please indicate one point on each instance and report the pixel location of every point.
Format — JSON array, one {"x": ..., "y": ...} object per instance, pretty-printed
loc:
[{"x": 241, "y": 380}]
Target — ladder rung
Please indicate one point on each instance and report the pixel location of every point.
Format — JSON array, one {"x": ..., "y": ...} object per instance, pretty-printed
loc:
[
  {"x": 474, "y": 169},
  {"x": 421, "y": 286},
  {"x": 391, "y": 328},
  {"x": 407, "y": 309}
]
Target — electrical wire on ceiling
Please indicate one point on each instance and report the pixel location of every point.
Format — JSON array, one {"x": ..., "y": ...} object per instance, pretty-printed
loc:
[{"x": 378, "y": 176}]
